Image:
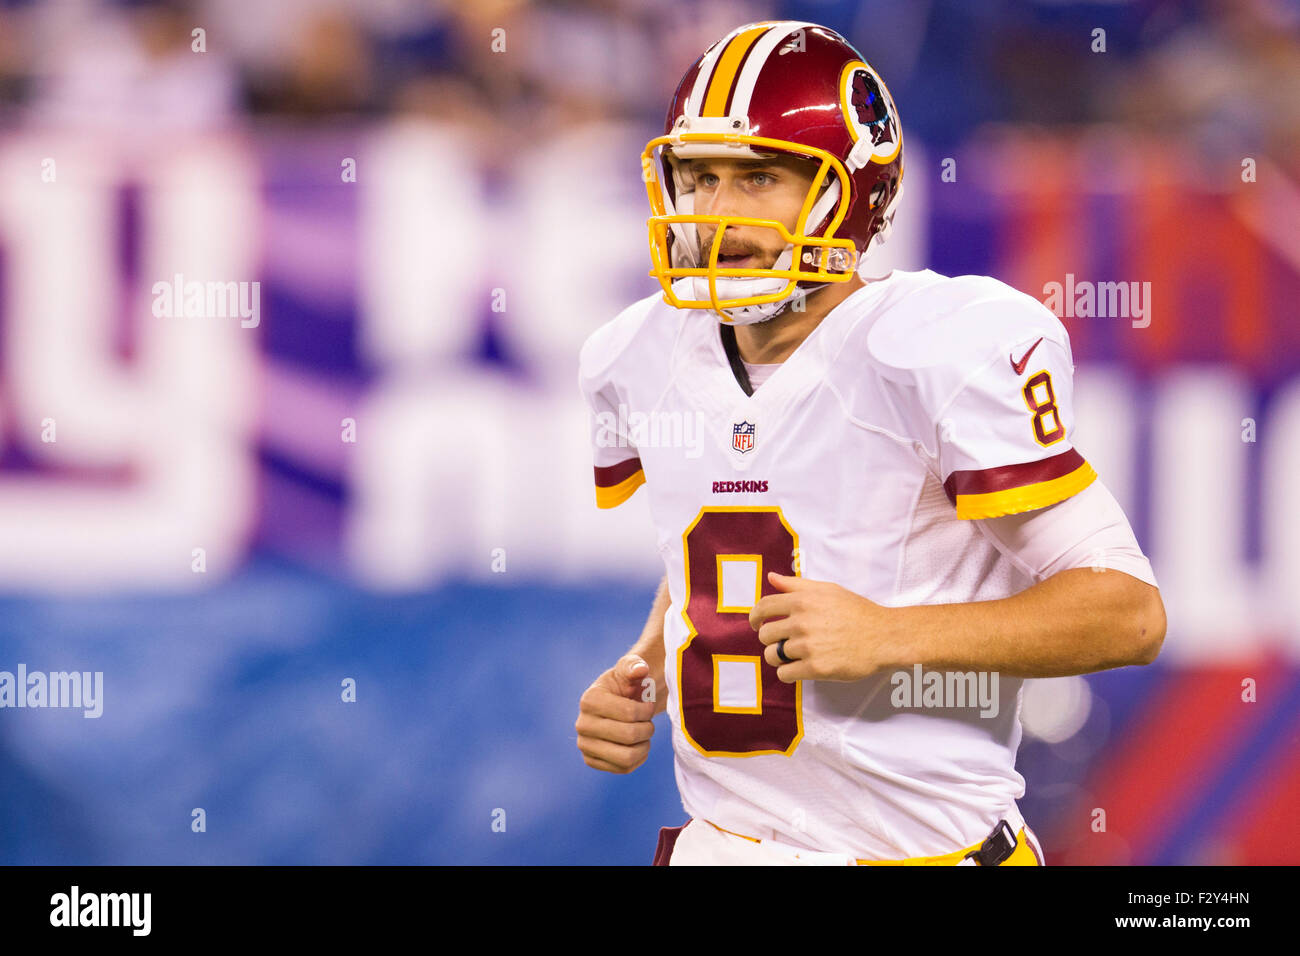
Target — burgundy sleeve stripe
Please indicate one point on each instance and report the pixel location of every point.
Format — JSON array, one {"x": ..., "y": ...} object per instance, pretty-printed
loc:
[
  {"x": 989, "y": 480},
  {"x": 612, "y": 475}
]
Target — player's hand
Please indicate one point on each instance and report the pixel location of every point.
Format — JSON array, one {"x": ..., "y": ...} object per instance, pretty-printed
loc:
[
  {"x": 830, "y": 632},
  {"x": 615, "y": 717}
]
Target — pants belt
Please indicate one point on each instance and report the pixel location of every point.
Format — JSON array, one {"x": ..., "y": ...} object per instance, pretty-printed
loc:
[{"x": 995, "y": 848}]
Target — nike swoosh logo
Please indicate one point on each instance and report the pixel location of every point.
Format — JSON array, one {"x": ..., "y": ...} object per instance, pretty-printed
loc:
[{"x": 1019, "y": 367}]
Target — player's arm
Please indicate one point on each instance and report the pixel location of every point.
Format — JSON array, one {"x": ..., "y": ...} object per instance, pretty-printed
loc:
[
  {"x": 1075, "y": 622},
  {"x": 1096, "y": 604},
  {"x": 615, "y": 714},
  {"x": 1003, "y": 435},
  {"x": 1085, "y": 615},
  {"x": 1009, "y": 465},
  {"x": 650, "y": 648}
]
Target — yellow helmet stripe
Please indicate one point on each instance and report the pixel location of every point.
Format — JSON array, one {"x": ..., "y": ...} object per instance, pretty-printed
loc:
[{"x": 724, "y": 75}]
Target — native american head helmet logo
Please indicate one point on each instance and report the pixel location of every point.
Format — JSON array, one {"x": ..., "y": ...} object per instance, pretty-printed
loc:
[{"x": 869, "y": 111}]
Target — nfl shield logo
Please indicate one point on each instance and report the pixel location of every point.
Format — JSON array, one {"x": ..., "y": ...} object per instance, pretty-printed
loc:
[{"x": 742, "y": 437}]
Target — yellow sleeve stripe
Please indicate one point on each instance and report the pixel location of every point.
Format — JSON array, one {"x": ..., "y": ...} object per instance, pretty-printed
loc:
[
  {"x": 1012, "y": 501},
  {"x": 615, "y": 495}
]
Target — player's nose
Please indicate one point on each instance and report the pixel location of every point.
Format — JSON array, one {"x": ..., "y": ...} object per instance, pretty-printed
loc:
[{"x": 724, "y": 200}]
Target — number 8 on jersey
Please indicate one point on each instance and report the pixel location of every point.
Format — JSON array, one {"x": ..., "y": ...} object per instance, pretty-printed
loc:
[{"x": 731, "y": 702}]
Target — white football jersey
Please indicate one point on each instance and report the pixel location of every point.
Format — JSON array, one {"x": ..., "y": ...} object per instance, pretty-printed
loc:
[{"x": 919, "y": 401}]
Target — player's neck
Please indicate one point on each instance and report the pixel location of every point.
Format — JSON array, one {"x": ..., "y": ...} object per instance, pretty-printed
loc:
[{"x": 766, "y": 343}]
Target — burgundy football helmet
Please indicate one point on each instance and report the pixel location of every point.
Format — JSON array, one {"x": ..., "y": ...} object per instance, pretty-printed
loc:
[{"x": 764, "y": 89}]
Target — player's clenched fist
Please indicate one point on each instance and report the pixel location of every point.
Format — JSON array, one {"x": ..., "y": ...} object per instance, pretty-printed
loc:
[
  {"x": 819, "y": 630},
  {"x": 615, "y": 723}
]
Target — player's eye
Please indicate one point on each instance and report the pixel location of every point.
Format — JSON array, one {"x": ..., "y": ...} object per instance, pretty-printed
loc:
[
  {"x": 706, "y": 179},
  {"x": 762, "y": 179}
]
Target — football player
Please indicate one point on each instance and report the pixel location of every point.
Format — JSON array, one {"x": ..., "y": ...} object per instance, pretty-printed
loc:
[{"x": 888, "y": 518}]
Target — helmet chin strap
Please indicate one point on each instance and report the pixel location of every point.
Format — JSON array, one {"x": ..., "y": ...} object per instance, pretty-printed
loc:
[{"x": 698, "y": 288}]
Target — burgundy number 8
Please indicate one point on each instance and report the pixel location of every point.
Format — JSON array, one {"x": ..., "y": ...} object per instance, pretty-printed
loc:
[{"x": 767, "y": 717}]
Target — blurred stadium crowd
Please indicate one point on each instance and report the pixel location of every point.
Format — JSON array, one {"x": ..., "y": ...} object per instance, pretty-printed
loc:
[{"x": 1214, "y": 73}]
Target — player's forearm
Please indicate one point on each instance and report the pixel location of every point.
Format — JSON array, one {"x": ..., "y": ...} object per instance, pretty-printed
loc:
[
  {"x": 1075, "y": 622},
  {"x": 650, "y": 646}
]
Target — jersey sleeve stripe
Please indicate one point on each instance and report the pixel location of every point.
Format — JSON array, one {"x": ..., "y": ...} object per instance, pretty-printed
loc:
[
  {"x": 611, "y": 475},
  {"x": 990, "y": 492},
  {"x": 986, "y": 480},
  {"x": 1027, "y": 497},
  {"x": 616, "y": 483},
  {"x": 615, "y": 495}
]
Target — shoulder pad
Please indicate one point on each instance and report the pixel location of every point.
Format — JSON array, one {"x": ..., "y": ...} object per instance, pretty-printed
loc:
[
  {"x": 613, "y": 339},
  {"x": 960, "y": 321}
]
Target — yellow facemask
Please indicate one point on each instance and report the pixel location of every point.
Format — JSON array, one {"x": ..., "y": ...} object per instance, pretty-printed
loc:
[{"x": 733, "y": 293}]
